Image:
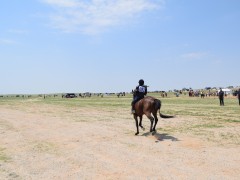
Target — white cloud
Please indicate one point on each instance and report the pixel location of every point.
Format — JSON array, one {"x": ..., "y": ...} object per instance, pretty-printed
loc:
[
  {"x": 63, "y": 3},
  {"x": 7, "y": 41},
  {"x": 95, "y": 16},
  {"x": 17, "y": 31},
  {"x": 193, "y": 55}
]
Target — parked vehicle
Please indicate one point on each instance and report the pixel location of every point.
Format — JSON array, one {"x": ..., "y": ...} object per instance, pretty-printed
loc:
[{"x": 70, "y": 95}]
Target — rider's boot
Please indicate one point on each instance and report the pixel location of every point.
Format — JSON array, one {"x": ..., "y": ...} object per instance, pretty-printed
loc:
[{"x": 132, "y": 110}]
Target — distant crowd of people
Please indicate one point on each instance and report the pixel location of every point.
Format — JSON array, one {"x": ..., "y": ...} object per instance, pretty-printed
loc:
[{"x": 221, "y": 94}]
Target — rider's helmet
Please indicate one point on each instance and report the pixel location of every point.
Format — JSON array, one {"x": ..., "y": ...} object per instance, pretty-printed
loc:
[{"x": 141, "y": 82}]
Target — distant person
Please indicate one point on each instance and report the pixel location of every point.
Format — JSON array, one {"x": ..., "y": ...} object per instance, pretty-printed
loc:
[
  {"x": 238, "y": 95},
  {"x": 221, "y": 97},
  {"x": 139, "y": 93}
]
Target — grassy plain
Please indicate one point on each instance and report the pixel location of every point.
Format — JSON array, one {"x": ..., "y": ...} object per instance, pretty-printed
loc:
[{"x": 201, "y": 117}]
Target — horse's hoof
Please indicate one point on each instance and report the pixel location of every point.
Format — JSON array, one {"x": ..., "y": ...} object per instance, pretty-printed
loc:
[
  {"x": 136, "y": 133},
  {"x": 154, "y": 132},
  {"x": 143, "y": 128}
]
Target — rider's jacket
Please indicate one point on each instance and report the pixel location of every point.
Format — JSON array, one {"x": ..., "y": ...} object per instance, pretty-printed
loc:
[{"x": 140, "y": 92}]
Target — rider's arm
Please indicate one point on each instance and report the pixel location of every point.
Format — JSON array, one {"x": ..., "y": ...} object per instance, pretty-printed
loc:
[{"x": 145, "y": 91}]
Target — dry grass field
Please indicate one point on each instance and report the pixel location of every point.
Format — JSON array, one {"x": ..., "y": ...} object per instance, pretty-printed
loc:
[{"x": 93, "y": 138}]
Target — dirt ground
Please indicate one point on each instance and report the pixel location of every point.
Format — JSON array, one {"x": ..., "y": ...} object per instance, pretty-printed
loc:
[{"x": 46, "y": 143}]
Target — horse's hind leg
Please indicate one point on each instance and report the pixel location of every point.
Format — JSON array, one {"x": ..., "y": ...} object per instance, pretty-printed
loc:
[
  {"x": 140, "y": 123},
  {"x": 136, "y": 120},
  {"x": 151, "y": 120},
  {"x": 156, "y": 121}
]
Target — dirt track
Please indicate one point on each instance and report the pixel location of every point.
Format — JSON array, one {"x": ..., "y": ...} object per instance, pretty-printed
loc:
[{"x": 45, "y": 143}]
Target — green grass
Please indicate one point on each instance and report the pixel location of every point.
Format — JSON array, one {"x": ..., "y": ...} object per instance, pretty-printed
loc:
[
  {"x": 3, "y": 156},
  {"x": 201, "y": 117},
  {"x": 182, "y": 106}
]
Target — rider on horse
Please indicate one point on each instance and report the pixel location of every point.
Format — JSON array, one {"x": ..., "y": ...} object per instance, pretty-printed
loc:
[{"x": 139, "y": 93}]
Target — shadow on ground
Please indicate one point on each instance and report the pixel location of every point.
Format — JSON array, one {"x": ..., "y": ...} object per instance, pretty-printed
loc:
[{"x": 161, "y": 137}]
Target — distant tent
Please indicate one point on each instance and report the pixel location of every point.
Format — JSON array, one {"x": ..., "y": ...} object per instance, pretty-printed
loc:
[{"x": 226, "y": 91}]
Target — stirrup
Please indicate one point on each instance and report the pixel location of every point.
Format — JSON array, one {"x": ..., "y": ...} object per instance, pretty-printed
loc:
[{"x": 133, "y": 111}]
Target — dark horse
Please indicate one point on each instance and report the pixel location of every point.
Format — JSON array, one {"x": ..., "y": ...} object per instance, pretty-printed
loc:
[{"x": 148, "y": 106}]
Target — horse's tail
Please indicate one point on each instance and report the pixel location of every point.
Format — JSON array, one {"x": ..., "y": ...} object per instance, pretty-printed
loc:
[
  {"x": 158, "y": 105},
  {"x": 165, "y": 116}
]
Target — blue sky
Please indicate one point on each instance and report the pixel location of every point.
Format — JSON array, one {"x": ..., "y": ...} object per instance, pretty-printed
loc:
[{"x": 57, "y": 46}]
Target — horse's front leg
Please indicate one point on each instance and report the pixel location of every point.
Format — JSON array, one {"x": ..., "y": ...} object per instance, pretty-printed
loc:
[
  {"x": 140, "y": 123},
  {"x": 136, "y": 120}
]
